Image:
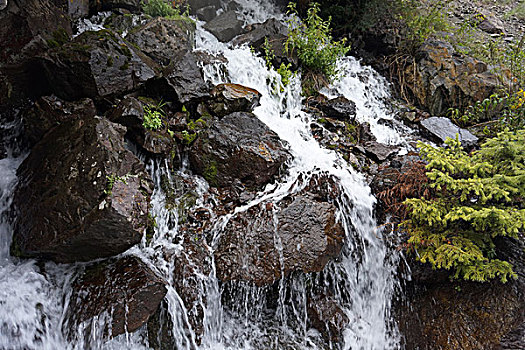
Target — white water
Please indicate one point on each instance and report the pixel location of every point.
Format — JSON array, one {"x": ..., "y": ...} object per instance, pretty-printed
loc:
[{"x": 32, "y": 298}]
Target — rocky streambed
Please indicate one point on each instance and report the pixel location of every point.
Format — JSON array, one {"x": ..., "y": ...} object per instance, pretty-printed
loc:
[{"x": 244, "y": 231}]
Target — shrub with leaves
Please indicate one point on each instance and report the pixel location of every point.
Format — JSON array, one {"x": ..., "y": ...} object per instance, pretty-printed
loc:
[
  {"x": 153, "y": 117},
  {"x": 477, "y": 197},
  {"x": 313, "y": 42}
]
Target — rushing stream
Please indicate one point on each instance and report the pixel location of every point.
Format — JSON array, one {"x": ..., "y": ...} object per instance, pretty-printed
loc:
[{"x": 32, "y": 297}]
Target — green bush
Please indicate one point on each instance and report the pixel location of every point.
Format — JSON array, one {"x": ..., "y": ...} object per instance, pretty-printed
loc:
[
  {"x": 152, "y": 117},
  {"x": 476, "y": 197},
  {"x": 313, "y": 42},
  {"x": 159, "y": 8}
]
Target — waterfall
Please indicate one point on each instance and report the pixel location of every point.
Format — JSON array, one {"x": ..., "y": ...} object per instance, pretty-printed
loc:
[{"x": 32, "y": 297}]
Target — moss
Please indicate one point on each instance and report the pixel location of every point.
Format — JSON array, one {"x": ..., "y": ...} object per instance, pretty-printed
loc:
[
  {"x": 15, "y": 249},
  {"x": 186, "y": 202},
  {"x": 124, "y": 66},
  {"x": 110, "y": 61},
  {"x": 150, "y": 230},
  {"x": 210, "y": 173}
]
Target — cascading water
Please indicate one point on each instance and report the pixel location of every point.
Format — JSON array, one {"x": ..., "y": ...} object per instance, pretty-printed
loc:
[{"x": 362, "y": 280}]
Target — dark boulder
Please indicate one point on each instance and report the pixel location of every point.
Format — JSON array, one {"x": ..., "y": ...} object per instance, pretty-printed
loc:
[
  {"x": 206, "y": 13},
  {"x": 438, "y": 129},
  {"x": 50, "y": 111},
  {"x": 230, "y": 98},
  {"x": 130, "y": 113},
  {"x": 275, "y": 32},
  {"x": 379, "y": 152},
  {"x": 106, "y": 5},
  {"x": 326, "y": 315},
  {"x": 440, "y": 314},
  {"x": 239, "y": 147},
  {"x": 338, "y": 108},
  {"x": 96, "y": 65},
  {"x": 82, "y": 195},
  {"x": 300, "y": 230},
  {"x": 28, "y": 26},
  {"x": 164, "y": 40},
  {"x": 225, "y": 27},
  {"x": 185, "y": 81},
  {"x": 125, "y": 292},
  {"x": 198, "y": 4}
]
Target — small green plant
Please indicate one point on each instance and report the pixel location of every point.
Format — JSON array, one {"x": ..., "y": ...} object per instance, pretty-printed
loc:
[
  {"x": 188, "y": 138},
  {"x": 475, "y": 198},
  {"x": 160, "y": 8},
  {"x": 112, "y": 180},
  {"x": 153, "y": 117},
  {"x": 269, "y": 55},
  {"x": 313, "y": 42}
]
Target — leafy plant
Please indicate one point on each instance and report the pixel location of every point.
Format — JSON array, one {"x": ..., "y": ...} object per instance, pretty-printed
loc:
[
  {"x": 476, "y": 197},
  {"x": 153, "y": 117},
  {"x": 160, "y": 8},
  {"x": 313, "y": 42},
  {"x": 112, "y": 180}
]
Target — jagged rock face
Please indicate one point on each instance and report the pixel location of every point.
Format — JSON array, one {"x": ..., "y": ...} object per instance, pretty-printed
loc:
[
  {"x": 225, "y": 27},
  {"x": 33, "y": 22},
  {"x": 300, "y": 230},
  {"x": 96, "y": 65},
  {"x": 82, "y": 195},
  {"x": 465, "y": 315},
  {"x": 239, "y": 147},
  {"x": 186, "y": 80},
  {"x": 444, "y": 79},
  {"x": 230, "y": 98},
  {"x": 164, "y": 40},
  {"x": 126, "y": 289},
  {"x": 338, "y": 108},
  {"x": 49, "y": 111}
]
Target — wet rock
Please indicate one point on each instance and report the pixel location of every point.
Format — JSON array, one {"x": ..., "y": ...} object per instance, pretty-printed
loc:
[
  {"x": 160, "y": 329},
  {"x": 96, "y": 65},
  {"x": 125, "y": 291},
  {"x": 225, "y": 27},
  {"x": 239, "y": 147},
  {"x": 49, "y": 111},
  {"x": 444, "y": 79},
  {"x": 438, "y": 129},
  {"x": 465, "y": 315},
  {"x": 164, "y": 40},
  {"x": 186, "y": 80},
  {"x": 134, "y": 6},
  {"x": 78, "y": 9},
  {"x": 26, "y": 25},
  {"x": 198, "y": 4},
  {"x": 276, "y": 33},
  {"x": 325, "y": 315},
  {"x": 257, "y": 33},
  {"x": 206, "y": 13},
  {"x": 82, "y": 195},
  {"x": 379, "y": 152},
  {"x": 130, "y": 113},
  {"x": 338, "y": 108},
  {"x": 230, "y": 98},
  {"x": 300, "y": 230}
]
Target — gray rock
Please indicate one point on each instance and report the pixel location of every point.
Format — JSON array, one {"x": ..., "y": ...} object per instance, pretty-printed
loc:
[
  {"x": 186, "y": 80},
  {"x": 378, "y": 151},
  {"x": 198, "y": 4},
  {"x": 239, "y": 147},
  {"x": 338, "y": 108},
  {"x": 207, "y": 13},
  {"x": 164, "y": 40},
  {"x": 126, "y": 289},
  {"x": 82, "y": 194},
  {"x": 225, "y": 27},
  {"x": 439, "y": 128},
  {"x": 95, "y": 64}
]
